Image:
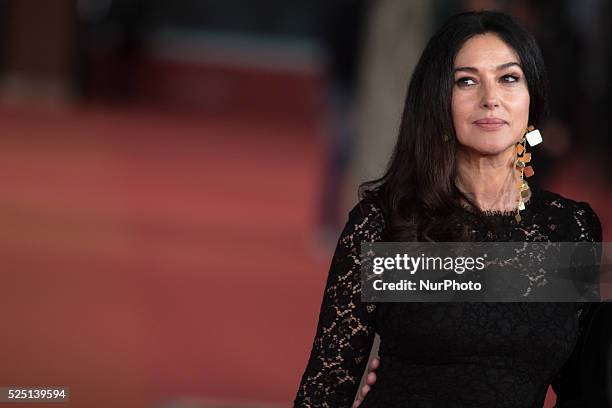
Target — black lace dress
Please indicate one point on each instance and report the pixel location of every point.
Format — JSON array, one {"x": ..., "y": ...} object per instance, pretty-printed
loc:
[{"x": 449, "y": 355}]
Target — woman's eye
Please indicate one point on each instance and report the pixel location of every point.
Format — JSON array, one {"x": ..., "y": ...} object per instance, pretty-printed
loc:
[
  {"x": 463, "y": 82},
  {"x": 510, "y": 78}
]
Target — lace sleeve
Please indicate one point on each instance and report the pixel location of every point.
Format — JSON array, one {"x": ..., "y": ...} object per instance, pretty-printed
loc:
[
  {"x": 345, "y": 331},
  {"x": 584, "y": 381},
  {"x": 586, "y": 259},
  {"x": 587, "y": 223},
  {"x": 569, "y": 383}
]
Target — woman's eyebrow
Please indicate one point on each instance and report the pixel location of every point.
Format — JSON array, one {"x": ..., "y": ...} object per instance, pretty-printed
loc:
[{"x": 499, "y": 67}]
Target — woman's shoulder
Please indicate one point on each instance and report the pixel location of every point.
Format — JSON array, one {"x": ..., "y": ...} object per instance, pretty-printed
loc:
[
  {"x": 578, "y": 215},
  {"x": 365, "y": 220},
  {"x": 366, "y": 208}
]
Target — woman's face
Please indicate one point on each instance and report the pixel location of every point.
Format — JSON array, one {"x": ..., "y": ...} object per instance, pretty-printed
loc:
[{"x": 490, "y": 103}]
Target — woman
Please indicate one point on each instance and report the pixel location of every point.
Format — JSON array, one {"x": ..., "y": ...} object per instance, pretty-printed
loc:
[{"x": 479, "y": 84}]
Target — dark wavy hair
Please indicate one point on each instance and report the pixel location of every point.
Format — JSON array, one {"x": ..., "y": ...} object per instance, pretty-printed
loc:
[{"x": 417, "y": 193}]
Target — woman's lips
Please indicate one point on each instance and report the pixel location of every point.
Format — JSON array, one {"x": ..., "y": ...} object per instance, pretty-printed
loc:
[{"x": 490, "y": 123}]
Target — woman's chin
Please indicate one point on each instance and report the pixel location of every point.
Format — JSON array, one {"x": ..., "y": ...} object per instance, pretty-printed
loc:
[
  {"x": 491, "y": 149},
  {"x": 488, "y": 143}
]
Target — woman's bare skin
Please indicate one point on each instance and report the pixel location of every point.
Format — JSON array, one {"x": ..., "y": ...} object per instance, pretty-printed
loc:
[{"x": 370, "y": 380}]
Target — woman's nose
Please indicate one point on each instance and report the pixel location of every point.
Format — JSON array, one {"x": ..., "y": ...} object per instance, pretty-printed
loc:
[
  {"x": 490, "y": 99},
  {"x": 490, "y": 103}
]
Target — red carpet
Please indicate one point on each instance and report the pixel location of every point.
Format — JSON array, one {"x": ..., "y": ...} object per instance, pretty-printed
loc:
[{"x": 146, "y": 256}]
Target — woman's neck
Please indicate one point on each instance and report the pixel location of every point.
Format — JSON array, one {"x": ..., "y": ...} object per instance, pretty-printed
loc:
[{"x": 490, "y": 182}]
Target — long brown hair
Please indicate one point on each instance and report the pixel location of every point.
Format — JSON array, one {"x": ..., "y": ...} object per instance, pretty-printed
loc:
[{"x": 417, "y": 193}]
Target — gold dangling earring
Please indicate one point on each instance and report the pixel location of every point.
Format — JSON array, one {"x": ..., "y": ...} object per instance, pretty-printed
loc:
[{"x": 533, "y": 137}]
